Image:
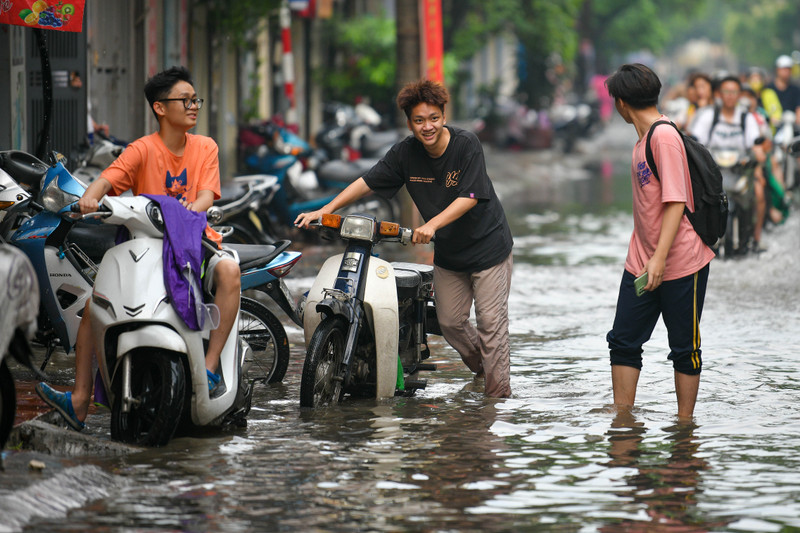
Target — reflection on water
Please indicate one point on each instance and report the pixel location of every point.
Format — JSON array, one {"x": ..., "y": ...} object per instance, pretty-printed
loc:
[
  {"x": 664, "y": 474},
  {"x": 553, "y": 457}
]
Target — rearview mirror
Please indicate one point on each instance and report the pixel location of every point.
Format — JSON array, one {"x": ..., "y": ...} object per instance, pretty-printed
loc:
[{"x": 214, "y": 214}]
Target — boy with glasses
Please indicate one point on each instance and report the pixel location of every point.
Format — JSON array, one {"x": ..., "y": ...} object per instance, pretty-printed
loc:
[{"x": 174, "y": 163}]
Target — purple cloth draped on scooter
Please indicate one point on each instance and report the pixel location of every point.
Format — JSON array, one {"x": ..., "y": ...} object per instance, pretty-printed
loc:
[{"x": 183, "y": 257}]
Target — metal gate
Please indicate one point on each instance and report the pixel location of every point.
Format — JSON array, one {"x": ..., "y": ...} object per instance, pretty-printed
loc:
[{"x": 68, "y": 123}]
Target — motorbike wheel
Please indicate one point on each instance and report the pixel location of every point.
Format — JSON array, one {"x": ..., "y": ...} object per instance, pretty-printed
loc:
[
  {"x": 158, "y": 383},
  {"x": 321, "y": 383},
  {"x": 373, "y": 204},
  {"x": 8, "y": 403},
  {"x": 267, "y": 339}
]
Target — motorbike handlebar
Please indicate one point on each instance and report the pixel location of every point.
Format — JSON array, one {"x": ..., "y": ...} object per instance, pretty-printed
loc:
[
  {"x": 404, "y": 235},
  {"x": 101, "y": 211}
]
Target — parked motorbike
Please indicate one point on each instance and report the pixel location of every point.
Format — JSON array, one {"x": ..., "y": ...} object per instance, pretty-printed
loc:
[
  {"x": 65, "y": 253},
  {"x": 573, "y": 121},
  {"x": 243, "y": 203},
  {"x": 63, "y": 258},
  {"x": 353, "y": 132},
  {"x": 305, "y": 184},
  {"x": 20, "y": 175},
  {"x": 366, "y": 320},
  {"x": 737, "y": 180},
  {"x": 99, "y": 156},
  {"x": 17, "y": 326}
]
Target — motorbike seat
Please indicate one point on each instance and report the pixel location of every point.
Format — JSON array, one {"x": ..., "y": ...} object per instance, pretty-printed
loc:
[
  {"x": 231, "y": 192},
  {"x": 409, "y": 277},
  {"x": 93, "y": 239},
  {"x": 257, "y": 255},
  {"x": 23, "y": 167},
  {"x": 341, "y": 171},
  {"x": 378, "y": 142}
]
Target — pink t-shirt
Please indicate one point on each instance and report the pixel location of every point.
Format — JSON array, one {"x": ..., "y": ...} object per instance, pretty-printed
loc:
[{"x": 688, "y": 253}]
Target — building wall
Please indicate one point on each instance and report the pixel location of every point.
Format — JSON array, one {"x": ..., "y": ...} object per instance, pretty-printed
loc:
[
  {"x": 495, "y": 64},
  {"x": 114, "y": 86}
]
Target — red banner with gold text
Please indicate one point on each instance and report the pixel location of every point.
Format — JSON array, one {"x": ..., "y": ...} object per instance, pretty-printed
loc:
[
  {"x": 433, "y": 44},
  {"x": 62, "y": 15}
]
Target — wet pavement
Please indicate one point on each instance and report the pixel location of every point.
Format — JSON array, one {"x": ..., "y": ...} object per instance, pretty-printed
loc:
[{"x": 554, "y": 457}]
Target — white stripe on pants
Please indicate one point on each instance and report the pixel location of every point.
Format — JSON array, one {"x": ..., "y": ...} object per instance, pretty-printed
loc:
[{"x": 485, "y": 348}]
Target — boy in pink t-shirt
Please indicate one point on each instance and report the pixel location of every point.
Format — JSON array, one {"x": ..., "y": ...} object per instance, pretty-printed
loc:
[{"x": 663, "y": 245}]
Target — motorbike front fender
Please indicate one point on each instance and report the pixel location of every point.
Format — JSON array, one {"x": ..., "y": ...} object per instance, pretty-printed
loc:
[
  {"x": 326, "y": 278},
  {"x": 152, "y": 337},
  {"x": 380, "y": 302}
]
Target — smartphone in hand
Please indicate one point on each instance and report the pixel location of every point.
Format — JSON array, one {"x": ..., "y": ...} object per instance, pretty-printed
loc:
[{"x": 640, "y": 283}]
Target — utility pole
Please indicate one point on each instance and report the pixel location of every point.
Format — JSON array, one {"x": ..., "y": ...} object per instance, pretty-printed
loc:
[
  {"x": 409, "y": 68},
  {"x": 408, "y": 46}
]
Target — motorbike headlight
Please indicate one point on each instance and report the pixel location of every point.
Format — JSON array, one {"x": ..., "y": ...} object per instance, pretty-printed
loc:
[
  {"x": 54, "y": 198},
  {"x": 154, "y": 214},
  {"x": 726, "y": 158},
  {"x": 358, "y": 227}
]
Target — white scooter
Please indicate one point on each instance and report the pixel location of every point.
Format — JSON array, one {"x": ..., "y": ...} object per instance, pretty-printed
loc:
[
  {"x": 101, "y": 154},
  {"x": 366, "y": 320},
  {"x": 151, "y": 363}
]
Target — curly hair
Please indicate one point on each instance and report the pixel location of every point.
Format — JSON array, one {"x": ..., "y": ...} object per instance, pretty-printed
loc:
[{"x": 422, "y": 91}]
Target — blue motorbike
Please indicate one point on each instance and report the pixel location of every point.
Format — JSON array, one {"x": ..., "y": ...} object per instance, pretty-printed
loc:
[
  {"x": 65, "y": 253},
  {"x": 307, "y": 182}
]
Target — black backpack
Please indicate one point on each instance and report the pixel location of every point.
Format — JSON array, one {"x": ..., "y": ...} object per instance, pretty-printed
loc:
[{"x": 710, "y": 216}]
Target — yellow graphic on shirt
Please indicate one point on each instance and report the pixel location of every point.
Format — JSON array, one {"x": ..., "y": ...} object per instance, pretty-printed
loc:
[{"x": 452, "y": 178}]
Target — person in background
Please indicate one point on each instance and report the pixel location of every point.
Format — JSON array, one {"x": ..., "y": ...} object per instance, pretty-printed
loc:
[
  {"x": 664, "y": 246},
  {"x": 731, "y": 126},
  {"x": 701, "y": 94},
  {"x": 772, "y": 175},
  {"x": 781, "y": 95},
  {"x": 749, "y": 100},
  {"x": 92, "y": 126}
]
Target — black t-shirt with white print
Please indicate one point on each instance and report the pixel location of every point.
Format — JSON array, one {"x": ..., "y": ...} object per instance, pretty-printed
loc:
[{"x": 481, "y": 238}]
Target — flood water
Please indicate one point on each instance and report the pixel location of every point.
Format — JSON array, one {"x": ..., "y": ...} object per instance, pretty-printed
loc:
[{"x": 554, "y": 457}]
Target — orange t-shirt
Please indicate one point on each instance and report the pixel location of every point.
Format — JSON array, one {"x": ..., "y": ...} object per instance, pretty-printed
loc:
[{"x": 147, "y": 166}]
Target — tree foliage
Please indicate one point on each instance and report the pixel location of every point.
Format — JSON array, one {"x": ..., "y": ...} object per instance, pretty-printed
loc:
[
  {"x": 544, "y": 28},
  {"x": 236, "y": 20},
  {"x": 617, "y": 27},
  {"x": 360, "y": 59},
  {"x": 759, "y": 32}
]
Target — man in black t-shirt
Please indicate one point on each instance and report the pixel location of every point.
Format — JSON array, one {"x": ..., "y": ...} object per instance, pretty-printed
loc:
[
  {"x": 444, "y": 171},
  {"x": 788, "y": 93}
]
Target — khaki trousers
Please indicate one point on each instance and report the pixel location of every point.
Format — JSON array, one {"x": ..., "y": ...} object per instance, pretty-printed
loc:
[{"x": 485, "y": 349}]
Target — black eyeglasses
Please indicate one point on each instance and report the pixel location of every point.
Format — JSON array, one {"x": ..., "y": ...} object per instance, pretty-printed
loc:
[{"x": 187, "y": 102}]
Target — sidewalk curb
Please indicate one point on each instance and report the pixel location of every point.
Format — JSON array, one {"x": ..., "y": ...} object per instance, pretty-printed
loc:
[{"x": 45, "y": 434}]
